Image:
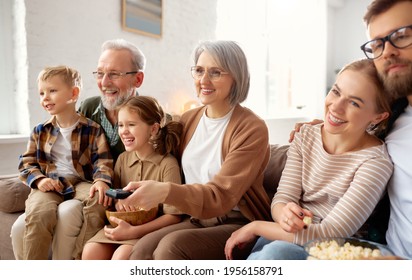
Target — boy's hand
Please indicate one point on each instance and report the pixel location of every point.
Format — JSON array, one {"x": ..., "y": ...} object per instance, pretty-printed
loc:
[
  {"x": 48, "y": 185},
  {"x": 101, "y": 187}
]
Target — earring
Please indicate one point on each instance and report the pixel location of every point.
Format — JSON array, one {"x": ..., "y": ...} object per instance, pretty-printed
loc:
[
  {"x": 152, "y": 141},
  {"x": 371, "y": 127}
]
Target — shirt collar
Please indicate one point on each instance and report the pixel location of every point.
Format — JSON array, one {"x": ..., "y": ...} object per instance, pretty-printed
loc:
[
  {"x": 154, "y": 158},
  {"x": 53, "y": 121},
  {"x": 99, "y": 108}
]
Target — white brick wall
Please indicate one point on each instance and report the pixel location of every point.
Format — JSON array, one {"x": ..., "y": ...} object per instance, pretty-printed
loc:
[{"x": 71, "y": 32}]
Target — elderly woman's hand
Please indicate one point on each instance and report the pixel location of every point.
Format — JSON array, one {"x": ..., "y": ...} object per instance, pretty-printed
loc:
[{"x": 146, "y": 194}]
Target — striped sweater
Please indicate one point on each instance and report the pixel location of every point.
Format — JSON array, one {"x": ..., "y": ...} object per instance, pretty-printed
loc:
[{"x": 340, "y": 190}]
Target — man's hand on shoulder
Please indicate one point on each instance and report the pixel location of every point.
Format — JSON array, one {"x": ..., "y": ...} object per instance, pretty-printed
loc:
[{"x": 299, "y": 125}]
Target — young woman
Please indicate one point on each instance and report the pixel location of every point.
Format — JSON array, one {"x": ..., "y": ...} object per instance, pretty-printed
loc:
[
  {"x": 335, "y": 173},
  {"x": 149, "y": 145}
]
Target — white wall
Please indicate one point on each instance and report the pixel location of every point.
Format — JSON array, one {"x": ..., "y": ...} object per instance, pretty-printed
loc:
[
  {"x": 10, "y": 149},
  {"x": 71, "y": 32},
  {"x": 280, "y": 129},
  {"x": 347, "y": 32}
]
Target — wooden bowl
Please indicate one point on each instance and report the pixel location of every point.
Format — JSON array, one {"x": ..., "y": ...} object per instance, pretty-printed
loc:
[{"x": 134, "y": 218}]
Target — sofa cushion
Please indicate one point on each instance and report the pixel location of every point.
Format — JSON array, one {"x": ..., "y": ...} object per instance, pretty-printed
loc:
[
  {"x": 13, "y": 194},
  {"x": 278, "y": 155}
]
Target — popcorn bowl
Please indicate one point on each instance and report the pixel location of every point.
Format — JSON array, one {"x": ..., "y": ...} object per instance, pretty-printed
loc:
[
  {"x": 338, "y": 248},
  {"x": 134, "y": 218}
]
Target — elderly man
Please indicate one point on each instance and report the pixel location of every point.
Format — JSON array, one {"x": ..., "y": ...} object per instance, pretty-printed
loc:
[{"x": 119, "y": 73}]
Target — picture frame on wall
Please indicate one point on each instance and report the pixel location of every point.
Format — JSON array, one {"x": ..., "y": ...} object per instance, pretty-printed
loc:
[{"x": 143, "y": 17}]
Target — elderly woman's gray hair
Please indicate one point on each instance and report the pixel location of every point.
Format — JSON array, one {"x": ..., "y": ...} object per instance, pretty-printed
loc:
[
  {"x": 231, "y": 58},
  {"x": 139, "y": 60}
]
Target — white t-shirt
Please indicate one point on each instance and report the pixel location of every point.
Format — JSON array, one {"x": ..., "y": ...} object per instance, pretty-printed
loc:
[
  {"x": 202, "y": 157},
  {"x": 399, "y": 143},
  {"x": 62, "y": 152}
]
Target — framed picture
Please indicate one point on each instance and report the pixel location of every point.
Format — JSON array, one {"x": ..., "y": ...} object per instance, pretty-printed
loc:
[{"x": 143, "y": 16}]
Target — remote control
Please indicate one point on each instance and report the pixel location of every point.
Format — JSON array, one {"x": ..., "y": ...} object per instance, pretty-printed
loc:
[{"x": 118, "y": 193}]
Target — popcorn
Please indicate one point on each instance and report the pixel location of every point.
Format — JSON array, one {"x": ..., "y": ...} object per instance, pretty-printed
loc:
[
  {"x": 307, "y": 220},
  {"x": 331, "y": 250}
]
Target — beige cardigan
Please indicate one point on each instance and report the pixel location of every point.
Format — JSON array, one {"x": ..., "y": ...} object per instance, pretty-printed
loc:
[{"x": 245, "y": 153}]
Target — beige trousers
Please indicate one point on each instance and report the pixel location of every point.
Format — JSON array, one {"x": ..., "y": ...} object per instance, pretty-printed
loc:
[
  {"x": 185, "y": 241},
  {"x": 69, "y": 222},
  {"x": 41, "y": 220}
]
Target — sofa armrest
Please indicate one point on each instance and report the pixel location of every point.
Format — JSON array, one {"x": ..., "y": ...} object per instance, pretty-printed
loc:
[{"x": 13, "y": 195}]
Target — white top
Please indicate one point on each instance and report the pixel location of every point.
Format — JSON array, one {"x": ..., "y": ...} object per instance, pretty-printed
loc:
[
  {"x": 399, "y": 143},
  {"x": 202, "y": 158},
  {"x": 62, "y": 152}
]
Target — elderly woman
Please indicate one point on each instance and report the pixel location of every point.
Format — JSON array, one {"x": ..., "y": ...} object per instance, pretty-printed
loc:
[{"x": 223, "y": 155}]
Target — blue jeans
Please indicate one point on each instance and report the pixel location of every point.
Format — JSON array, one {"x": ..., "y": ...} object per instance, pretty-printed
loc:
[{"x": 276, "y": 250}]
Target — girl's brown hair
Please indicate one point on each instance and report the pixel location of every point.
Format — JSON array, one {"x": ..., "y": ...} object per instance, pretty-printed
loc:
[{"x": 167, "y": 139}]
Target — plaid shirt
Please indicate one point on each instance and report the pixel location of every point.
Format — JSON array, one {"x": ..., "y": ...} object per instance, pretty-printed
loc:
[
  {"x": 111, "y": 132},
  {"x": 90, "y": 155}
]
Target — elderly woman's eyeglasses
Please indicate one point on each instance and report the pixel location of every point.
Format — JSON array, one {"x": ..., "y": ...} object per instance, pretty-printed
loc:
[
  {"x": 113, "y": 75},
  {"x": 400, "y": 39},
  {"x": 214, "y": 74}
]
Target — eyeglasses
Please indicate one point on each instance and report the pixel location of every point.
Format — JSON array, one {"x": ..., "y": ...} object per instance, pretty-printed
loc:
[
  {"x": 214, "y": 73},
  {"x": 400, "y": 39},
  {"x": 113, "y": 75}
]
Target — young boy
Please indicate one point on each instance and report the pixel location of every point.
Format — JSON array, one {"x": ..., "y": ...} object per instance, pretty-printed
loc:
[{"x": 67, "y": 157}]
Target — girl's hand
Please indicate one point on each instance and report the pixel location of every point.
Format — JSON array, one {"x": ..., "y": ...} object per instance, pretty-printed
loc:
[
  {"x": 123, "y": 231},
  {"x": 101, "y": 187},
  {"x": 239, "y": 238},
  {"x": 120, "y": 206},
  {"x": 293, "y": 215}
]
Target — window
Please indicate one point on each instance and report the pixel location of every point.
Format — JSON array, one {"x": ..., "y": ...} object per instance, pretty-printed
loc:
[
  {"x": 13, "y": 68},
  {"x": 285, "y": 42},
  {"x": 6, "y": 72}
]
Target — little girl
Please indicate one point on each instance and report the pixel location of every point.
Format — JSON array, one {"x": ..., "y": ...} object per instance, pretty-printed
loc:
[{"x": 150, "y": 146}]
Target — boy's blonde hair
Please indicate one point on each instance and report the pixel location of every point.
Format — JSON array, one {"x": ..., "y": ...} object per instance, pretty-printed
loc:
[{"x": 69, "y": 75}]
